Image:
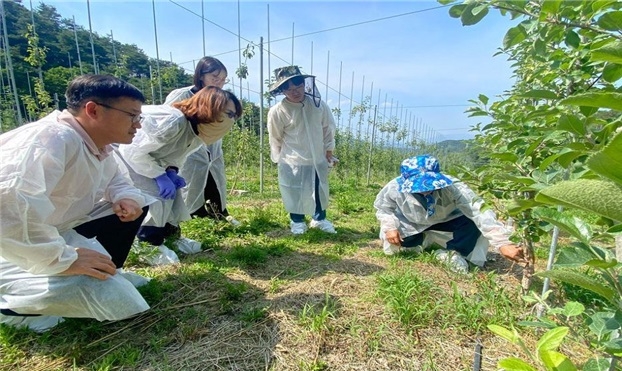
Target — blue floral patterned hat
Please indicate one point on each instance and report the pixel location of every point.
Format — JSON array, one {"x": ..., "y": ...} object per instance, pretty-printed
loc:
[{"x": 421, "y": 174}]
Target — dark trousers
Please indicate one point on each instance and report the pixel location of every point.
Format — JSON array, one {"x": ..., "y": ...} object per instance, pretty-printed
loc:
[
  {"x": 319, "y": 213},
  {"x": 156, "y": 235},
  {"x": 465, "y": 235},
  {"x": 116, "y": 236},
  {"x": 213, "y": 207}
]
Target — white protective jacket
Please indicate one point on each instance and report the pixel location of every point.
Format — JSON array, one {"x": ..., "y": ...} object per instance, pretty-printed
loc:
[
  {"x": 166, "y": 139},
  {"x": 300, "y": 134},
  {"x": 402, "y": 211},
  {"x": 52, "y": 180},
  {"x": 208, "y": 158}
]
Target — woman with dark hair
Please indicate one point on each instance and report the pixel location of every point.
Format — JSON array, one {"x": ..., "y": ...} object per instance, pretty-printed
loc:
[
  {"x": 169, "y": 135},
  {"x": 205, "y": 193}
]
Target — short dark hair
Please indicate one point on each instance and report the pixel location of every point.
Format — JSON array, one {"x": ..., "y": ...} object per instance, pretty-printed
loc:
[
  {"x": 99, "y": 88},
  {"x": 294, "y": 81},
  {"x": 207, "y": 65}
]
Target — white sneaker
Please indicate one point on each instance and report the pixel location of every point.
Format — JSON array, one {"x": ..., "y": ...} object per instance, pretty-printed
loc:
[
  {"x": 323, "y": 225},
  {"x": 298, "y": 228},
  {"x": 454, "y": 260},
  {"x": 155, "y": 255},
  {"x": 188, "y": 246},
  {"x": 135, "y": 279},
  {"x": 35, "y": 323},
  {"x": 234, "y": 222}
]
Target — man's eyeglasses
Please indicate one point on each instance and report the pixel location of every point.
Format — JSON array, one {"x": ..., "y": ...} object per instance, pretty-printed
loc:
[{"x": 136, "y": 117}]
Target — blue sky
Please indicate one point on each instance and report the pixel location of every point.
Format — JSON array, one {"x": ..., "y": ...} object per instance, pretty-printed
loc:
[{"x": 424, "y": 65}]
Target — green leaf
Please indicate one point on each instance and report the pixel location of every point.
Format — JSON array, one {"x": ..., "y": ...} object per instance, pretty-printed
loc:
[
  {"x": 611, "y": 52},
  {"x": 573, "y": 309},
  {"x": 539, "y": 94},
  {"x": 596, "y": 364},
  {"x": 598, "y": 263},
  {"x": 599, "y": 196},
  {"x": 599, "y": 100},
  {"x": 611, "y": 21},
  {"x": 506, "y": 156},
  {"x": 502, "y": 332},
  {"x": 571, "y": 224},
  {"x": 552, "y": 339},
  {"x": 573, "y": 256},
  {"x": 473, "y": 13},
  {"x": 514, "y": 364},
  {"x": 556, "y": 361},
  {"x": 572, "y": 124},
  {"x": 581, "y": 280},
  {"x": 457, "y": 10},
  {"x": 550, "y": 6},
  {"x": 446, "y": 2},
  {"x": 514, "y": 36},
  {"x": 608, "y": 161},
  {"x": 612, "y": 72},
  {"x": 615, "y": 229},
  {"x": 572, "y": 39},
  {"x": 484, "y": 99},
  {"x": 588, "y": 111},
  {"x": 603, "y": 323}
]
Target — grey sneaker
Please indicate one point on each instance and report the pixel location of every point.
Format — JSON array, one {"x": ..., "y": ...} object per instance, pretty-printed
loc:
[{"x": 323, "y": 225}]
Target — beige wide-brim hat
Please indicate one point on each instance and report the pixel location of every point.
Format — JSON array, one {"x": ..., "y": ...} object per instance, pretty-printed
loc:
[{"x": 284, "y": 74}]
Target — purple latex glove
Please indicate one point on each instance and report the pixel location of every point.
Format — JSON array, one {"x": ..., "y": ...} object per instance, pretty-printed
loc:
[
  {"x": 166, "y": 186},
  {"x": 176, "y": 179}
]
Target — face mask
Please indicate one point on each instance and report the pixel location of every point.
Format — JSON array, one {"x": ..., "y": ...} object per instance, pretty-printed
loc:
[{"x": 212, "y": 131}]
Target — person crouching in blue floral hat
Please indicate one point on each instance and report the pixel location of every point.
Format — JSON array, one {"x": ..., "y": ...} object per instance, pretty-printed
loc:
[{"x": 422, "y": 200}]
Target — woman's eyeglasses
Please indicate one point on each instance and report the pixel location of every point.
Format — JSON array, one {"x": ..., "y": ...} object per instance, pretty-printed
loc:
[
  {"x": 136, "y": 117},
  {"x": 230, "y": 114}
]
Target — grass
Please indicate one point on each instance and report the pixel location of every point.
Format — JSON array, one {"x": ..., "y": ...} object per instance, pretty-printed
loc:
[{"x": 260, "y": 298}]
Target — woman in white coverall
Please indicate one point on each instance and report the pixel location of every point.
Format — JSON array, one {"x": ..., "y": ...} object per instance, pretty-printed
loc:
[
  {"x": 68, "y": 215},
  {"x": 205, "y": 193},
  {"x": 423, "y": 200},
  {"x": 301, "y": 129},
  {"x": 169, "y": 135}
]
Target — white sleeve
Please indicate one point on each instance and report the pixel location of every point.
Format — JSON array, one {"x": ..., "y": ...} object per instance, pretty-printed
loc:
[
  {"x": 328, "y": 128},
  {"x": 121, "y": 187},
  {"x": 275, "y": 134},
  {"x": 386, "y": 205},
  {"x": 26, "y": 184},
  {"x": 150, "y": 138}
]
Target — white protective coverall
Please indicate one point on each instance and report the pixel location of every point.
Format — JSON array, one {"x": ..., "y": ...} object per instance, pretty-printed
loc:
[
  {"x": 300, "y": 134},
  {"x": 208, "y": 158},
  {"x": 402, "y": 211},
  {"x": 166, "y": 139},
  {"x": 52, "y": 179}
]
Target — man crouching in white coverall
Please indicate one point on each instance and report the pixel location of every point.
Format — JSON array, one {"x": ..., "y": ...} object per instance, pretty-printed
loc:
[
  {"x": 68, "y": 217},
  {"x": 424, "y": 204}
]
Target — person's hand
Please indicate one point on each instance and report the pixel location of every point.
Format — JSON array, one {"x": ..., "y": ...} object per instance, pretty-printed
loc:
[
  {"x": 127, "y": 210},
  {"x": 176, "y": 179},
  {"x": 393, "y": 236},
  {"x": 512, "y": 252},
  {"x": 91, "y": 263},
  {"x": 166, "y": 187}
]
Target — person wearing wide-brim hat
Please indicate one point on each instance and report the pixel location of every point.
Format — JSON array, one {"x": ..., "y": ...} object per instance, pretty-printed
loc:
[
  {"x": 423, "y": 201},
  {"x": 301, "y": 128}
]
